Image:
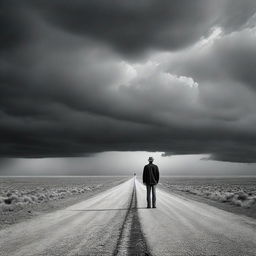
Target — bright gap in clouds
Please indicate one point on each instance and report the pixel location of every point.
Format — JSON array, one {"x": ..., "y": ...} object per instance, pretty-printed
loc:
[
  {"x": 215, "y": 35},
  {"x": 123, "y": 163}
]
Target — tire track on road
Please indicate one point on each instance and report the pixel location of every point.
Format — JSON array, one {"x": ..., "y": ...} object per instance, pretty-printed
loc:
[{"x": 131, "y": 240}]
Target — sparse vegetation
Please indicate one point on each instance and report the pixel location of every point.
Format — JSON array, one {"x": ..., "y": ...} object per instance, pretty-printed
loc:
[
  {"x": 237, "y": 191},
  {"x": 17, "y": 193}
]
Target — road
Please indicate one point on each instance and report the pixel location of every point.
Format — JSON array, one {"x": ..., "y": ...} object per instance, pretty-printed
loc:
[
  {"x": 116, "y": 222},
  {"x": 91, "y": 227},
  {"x": 180, "y": 226}
]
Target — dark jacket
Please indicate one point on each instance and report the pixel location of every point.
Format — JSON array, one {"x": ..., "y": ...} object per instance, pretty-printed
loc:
[{"x": 150, "y": 174}]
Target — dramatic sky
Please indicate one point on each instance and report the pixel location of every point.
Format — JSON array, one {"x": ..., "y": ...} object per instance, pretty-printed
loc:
[{"x": 97, "y": 86}]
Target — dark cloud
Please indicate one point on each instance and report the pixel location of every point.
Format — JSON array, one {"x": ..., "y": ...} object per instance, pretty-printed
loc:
[
  {"x": 68, "y": 88},
  {"x": 133, "y": 27},
  {"x": 15, "y": 31}
]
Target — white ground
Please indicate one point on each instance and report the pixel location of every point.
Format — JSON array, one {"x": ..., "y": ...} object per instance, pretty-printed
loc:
[{"x": 177, "y": 227}]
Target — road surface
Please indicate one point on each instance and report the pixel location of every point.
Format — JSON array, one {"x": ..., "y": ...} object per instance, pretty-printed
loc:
[
  {"x": 180, "y": 226},
  {"x": 116, "y": 222}
]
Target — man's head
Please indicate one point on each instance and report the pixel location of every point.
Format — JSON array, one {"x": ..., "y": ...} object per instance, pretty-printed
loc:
[{"x": 151, "y": 159}]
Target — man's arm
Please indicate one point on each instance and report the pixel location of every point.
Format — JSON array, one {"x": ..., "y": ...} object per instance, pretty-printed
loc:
[{"x": 157, "y": 173}]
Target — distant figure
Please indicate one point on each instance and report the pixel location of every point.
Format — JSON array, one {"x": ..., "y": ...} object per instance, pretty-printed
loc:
[
  {"x": 134, "y": 174},
  {"x": 150, "y": 179}
]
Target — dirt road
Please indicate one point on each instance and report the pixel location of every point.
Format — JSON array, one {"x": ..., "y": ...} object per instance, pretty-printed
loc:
[
  {"x": 116, "y": 222},
  {"x": 180, "y": 226}
]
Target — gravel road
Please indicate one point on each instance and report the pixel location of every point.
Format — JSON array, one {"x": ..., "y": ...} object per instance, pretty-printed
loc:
[{"x": 116, "y": 222}]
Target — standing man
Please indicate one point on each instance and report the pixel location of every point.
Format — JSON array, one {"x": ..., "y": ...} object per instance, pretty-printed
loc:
[{"x": 150, "y": 179}]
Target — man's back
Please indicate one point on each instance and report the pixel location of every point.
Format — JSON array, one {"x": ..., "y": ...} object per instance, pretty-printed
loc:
[{"x": 150, "y": 174}]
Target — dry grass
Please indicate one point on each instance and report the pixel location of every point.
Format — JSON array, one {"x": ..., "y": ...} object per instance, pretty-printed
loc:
[
  {"x": 17, "y": 193},
  {"x": 237, "y": 191}
]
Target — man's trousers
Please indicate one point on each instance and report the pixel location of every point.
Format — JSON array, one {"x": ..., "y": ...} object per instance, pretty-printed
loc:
[{"x": 153, "y": 189}]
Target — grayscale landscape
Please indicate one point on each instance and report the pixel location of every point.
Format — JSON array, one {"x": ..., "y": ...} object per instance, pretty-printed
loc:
[
  {"x": 116, "y": 222},
  {"x": 127, "y": 127}
]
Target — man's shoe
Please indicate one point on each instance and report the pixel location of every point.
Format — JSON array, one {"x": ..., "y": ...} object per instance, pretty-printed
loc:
[
  {"x": 148, "y": 206},
  {"x": 154, "y": 206}
]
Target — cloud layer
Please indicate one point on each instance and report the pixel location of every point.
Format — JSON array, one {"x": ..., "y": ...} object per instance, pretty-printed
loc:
[{"x": 88, "y": 76}]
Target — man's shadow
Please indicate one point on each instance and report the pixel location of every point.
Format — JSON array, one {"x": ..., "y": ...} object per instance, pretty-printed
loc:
[{"x": 110, "y": 209}]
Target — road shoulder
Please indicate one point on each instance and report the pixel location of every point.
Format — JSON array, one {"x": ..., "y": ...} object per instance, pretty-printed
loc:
[{"x": 220, "y": 205}]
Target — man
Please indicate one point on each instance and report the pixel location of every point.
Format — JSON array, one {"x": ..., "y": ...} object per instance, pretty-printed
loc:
[{"x": 150, "y": 179}]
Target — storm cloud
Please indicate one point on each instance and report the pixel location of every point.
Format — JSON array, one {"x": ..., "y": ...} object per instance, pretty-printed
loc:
[{"x": 80, "y": 77}]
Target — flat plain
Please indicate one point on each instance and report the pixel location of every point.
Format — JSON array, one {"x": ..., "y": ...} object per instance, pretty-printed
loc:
[{"x": 117, "y": 222}]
